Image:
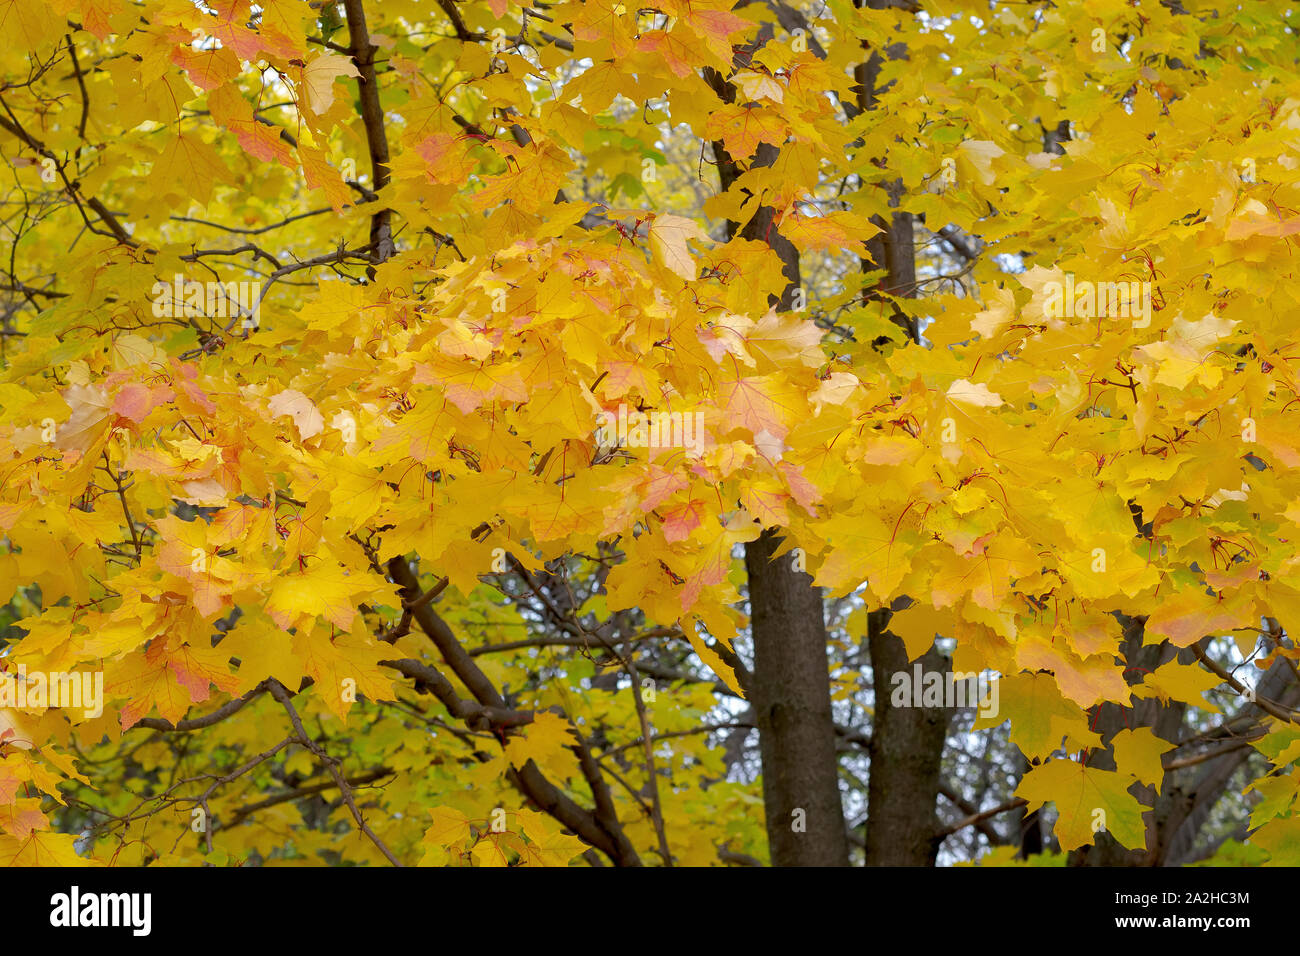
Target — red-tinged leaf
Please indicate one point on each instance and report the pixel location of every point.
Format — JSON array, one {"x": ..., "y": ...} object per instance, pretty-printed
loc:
[
  {"x": 208, "y": 67},
  {"x": 1190, "y": 615},
  {"x": 135, "y": 401},
  {"x": 679, "y": 522},
  {"x": 231, "y": 110}
]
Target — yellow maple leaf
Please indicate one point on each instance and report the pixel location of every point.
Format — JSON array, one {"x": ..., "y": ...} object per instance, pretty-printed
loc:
[
  {"x": 548, "y": 844},
  {"x": 1138, "y": 752},
  {"x": 668, "y": 238},
  {"x": 318, "y": 79},
  {"x": 545, "y": 741},
  {"x": 42, "y": 848},
  {"x": 1087, "y": 801},
  {"x": 445, "y": 837}
]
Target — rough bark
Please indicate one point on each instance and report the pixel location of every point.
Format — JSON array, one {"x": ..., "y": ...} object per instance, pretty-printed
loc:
[
  {"x": 363, "y": 53},
  {"x": 1029, "y": 826},
  {"x": 906, "y": 751},
  {"x": 1166, "y": 721},
  {"x": 791, "y": 698}
]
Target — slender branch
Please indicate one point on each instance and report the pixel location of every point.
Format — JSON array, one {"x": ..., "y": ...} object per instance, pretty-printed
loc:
[
  {"x": 976, "y": 818},
  {"x": 207, "y": 720},
  {"x": 529, "y": 780},
  {"x": 1263, "y": 703},
  {"x": 298, "y": 793},
  {"x": 372, "y": 114},
  {"x": 279, "y": 692}
]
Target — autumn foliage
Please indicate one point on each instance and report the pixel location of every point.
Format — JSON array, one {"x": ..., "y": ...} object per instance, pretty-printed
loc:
[{"x": 352, "y": 352}]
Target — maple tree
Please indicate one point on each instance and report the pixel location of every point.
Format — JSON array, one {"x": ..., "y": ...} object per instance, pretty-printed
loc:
[{"x": 473, "y": 433}]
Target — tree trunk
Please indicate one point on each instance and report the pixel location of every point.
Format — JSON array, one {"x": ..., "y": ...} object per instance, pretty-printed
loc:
[
  {"x": 792, "y": 702},
  {"x": 906, "y": 742},
  {"x": 1029, "y": 826},
  {"x": 906, "y": 750},
  {"x": 791, "y": 681},
  {"x": 1166, "y": 721}
]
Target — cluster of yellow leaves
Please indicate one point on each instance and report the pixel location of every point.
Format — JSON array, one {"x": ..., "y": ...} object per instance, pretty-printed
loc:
[
  {"x": 514, "y": 838},
  {"x": 1025, "y": 479}
]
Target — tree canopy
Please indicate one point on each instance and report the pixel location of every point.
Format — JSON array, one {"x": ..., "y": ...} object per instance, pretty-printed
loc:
[{"x": 465, "y": 433}]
